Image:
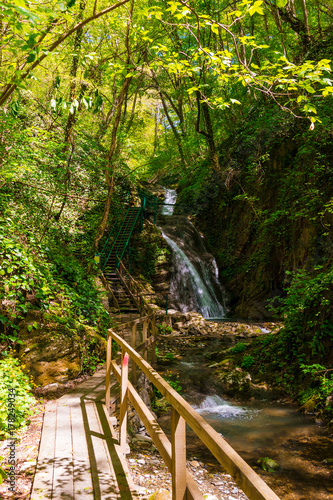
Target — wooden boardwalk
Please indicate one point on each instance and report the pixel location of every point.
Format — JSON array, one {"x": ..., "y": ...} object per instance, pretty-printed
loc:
[{"x": 79, "y": 457}]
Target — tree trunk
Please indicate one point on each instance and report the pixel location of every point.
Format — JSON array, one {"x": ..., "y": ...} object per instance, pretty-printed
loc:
[
  {"x": 72, "y": 116},
  {"x": 209, "y": 131}
]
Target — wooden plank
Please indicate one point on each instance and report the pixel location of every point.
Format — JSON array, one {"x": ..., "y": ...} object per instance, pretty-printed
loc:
[
  {"x": 247, "y": 479},
  {"x": 124, "y": 479},
  {"x": 134, "y": 372},
  {"x": 178, "y": 444},
  {"x": 144, "y": 337},
  {"x": 128, "y": 290},
  {"x": 159, "y": 438},
  {"x": 125, "y": 326},
  {"x": 145, "y": 344},
  {"x": 63, "y": 457},
  {"x": 43, "y": 480},
  {"x": 161, "y": 441},
  {"x": 123, "y": 402},
  {"x": 192, "y": 490},
  {"x": 92, "y": 388},
  {"x": 108, "y": 372},
  {"x": 103, "y": 476},
  {"x": 83, "y": 487},
  {"x": 153, "y": 347}
]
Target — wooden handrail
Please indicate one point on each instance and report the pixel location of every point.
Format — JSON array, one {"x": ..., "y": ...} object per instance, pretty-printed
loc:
[
  {"x": 183, "y": 486},
  {"x": 134, "y": 289},
  {"x": 109, "y": 289}
]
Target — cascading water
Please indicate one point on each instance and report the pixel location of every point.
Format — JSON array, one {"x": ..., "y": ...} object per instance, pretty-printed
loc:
[
  {"x": 194, "y": 283},
  {"x": 169, "y": 202},
  {"x": 217, "y": 406}
]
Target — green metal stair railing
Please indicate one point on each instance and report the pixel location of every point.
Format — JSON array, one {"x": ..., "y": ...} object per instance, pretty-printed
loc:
[
  {"x": 128, "y": 230},
  {"x": 114, "y": 231},
  {"x": 121, "y": 241}
]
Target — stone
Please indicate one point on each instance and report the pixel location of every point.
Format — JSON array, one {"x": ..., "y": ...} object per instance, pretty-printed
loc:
[
  {"x": 141, "y": 437},
  {"x": 194, "y": 463},
  {"x": 161, "y": 494},
  {"x": 50, "y": 387},
  {"x": 268, "y": 464}
]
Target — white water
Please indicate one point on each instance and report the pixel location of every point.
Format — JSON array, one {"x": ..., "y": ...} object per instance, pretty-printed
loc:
[
  {"x": 169, "y": 202},
  {"x": 203, "y": 298},
  {"x": 195, "y": 277},
  {"x": 218, "y": 406}
]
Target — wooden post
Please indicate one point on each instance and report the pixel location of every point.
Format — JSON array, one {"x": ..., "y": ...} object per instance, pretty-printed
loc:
[
  {"x": 178, "y": 446},
  {"x": 108, "y": 372},
  {"x": 153, "y": 346},
  {"x": 144, "y": 337},
  {"x": 134, "y": 373},
  {"x": 123, "y": 402}
]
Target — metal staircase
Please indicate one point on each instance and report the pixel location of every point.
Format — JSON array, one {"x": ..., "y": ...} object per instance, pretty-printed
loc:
[
  {"x": 117, "y": 243},
  {"x": 111, "y": 255}
]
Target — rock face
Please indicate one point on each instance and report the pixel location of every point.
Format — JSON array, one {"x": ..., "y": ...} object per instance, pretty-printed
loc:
[{"x": 53, "y": 357}]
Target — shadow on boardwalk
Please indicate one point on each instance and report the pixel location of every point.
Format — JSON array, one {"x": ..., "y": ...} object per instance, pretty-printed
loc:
[{"x": 79, "y": 456}]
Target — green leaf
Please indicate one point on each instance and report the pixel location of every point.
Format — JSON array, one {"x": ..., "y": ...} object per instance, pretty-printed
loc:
[
  {"x": 215, "y": 28},
  {"x": 281, "y": 3},
  {"x": 256, "y": 8},
  {"x": 62, "y": 6},
  {"x": 29, "y": 327}
]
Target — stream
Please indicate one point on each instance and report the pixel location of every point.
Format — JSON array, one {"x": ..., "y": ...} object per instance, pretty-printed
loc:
[{"x": 255, "y": 429}]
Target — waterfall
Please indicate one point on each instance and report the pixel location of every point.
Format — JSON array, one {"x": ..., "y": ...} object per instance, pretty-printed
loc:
[
  {"x": 194, "y": 283},
  {"x": 169, "y": 202}
]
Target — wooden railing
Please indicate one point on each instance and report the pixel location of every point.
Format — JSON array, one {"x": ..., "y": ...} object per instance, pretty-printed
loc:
[
  {"x": 134, "y": 290},
  {"x": 173, "y": 452},
  {"x": 109, "y": 289}
]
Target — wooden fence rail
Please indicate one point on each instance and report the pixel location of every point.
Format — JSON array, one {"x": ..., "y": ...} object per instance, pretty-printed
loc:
[
  {"x": 133, "y": 288},
  {"x": 173, "y": 453}
]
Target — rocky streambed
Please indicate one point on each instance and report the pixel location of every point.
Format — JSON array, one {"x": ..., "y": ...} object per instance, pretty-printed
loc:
[{"x": 255, "y": 417}]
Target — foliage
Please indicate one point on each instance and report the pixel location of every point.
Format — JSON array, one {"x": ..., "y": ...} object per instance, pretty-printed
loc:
[
  {"x": 164, "y": 329},
  {"x": 239, "y": 347},
  {"x": 3, "y": 474},
  {"x": 321, "y": 374},
  {"x": 12, "y": 377},
  {"x": 248, "y": 361},
  {"x": 172, "y": 380},
  {"x": 47, "y": 280}
]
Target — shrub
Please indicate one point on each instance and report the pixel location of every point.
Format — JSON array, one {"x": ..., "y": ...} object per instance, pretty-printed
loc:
[
  {"x": 248, "y": 361},
  {"x": 239, "y": 347},
  {"x": 12, "y": 377}
]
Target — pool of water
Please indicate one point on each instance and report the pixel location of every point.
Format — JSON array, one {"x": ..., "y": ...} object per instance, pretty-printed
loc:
[{"x": 259, "y": 429}]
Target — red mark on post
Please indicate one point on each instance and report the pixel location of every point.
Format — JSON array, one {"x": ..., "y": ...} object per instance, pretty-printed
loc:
[{"x": 125, "y": 359}]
